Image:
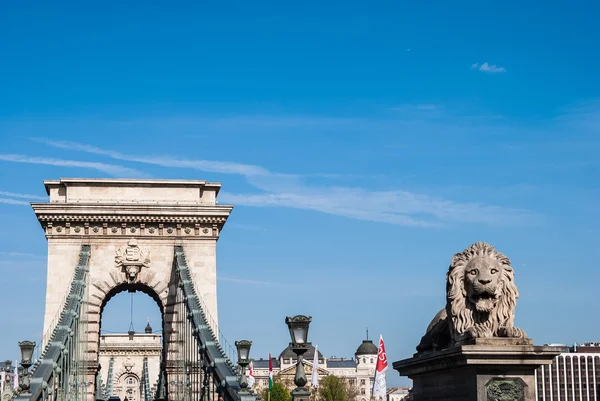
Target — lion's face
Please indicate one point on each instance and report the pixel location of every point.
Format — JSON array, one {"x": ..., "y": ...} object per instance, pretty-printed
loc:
[{"x": 483, "y": 282}]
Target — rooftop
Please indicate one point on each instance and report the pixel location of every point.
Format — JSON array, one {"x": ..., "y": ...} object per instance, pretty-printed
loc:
[
  {"x": 264, "y": 363},
  {"x": 96, "y": 190},
  {"x": 341, "y": 363}
]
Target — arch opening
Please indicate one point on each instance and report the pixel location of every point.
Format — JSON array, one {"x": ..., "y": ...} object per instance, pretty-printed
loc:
[{"x": 130, "y": 342}]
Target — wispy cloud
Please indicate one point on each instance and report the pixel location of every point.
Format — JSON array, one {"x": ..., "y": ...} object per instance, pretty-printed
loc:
[
  {"x": 246, "y": 227},
  {"x": 111, "y": 169},
  {"x": 13, "y": 201},
  {"x": 18, "y": 201},
  {"x": 486, "y": 67},
  {"x": 23, "y": 196},
  {"x": 286, "y": 190},
  {"x": 417, "y": 107},
  {"x": 246, "y": 281},
  {"x": 21, "y": 255},
  {"x": 393, "y": 207},
  {"x": 164, "y": 161}
]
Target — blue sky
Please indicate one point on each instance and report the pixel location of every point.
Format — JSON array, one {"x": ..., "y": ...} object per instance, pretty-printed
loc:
[{"x": 361, "y": 144}]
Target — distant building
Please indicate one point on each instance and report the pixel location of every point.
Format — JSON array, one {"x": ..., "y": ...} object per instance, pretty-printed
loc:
[
  {"x": 7, "y": 381},
  {"x": 358, "y": 372},
  {"x": 3, "y": 375},
  {"x": 121, "y": 358},
  {"x": 398, "y": 393},
  {"x": 573, "y": 375}
]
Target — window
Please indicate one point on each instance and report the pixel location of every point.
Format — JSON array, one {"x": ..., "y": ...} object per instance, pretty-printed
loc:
[
  {"x": 371, "y": 360},
  {"x": 130, "y": 380},
  {"x": 364, "y": 360},
  {"x": 362, "y": 382},
  {"x": 362, "y": 391}
]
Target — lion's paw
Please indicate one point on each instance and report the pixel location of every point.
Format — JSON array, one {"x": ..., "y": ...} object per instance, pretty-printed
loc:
[
  {"x": 478, "y": 332},
  {"x": 511, "y": 332}
]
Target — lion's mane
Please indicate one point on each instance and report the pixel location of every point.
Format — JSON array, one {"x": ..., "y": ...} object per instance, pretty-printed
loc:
[{"x": 461, "y": 311}]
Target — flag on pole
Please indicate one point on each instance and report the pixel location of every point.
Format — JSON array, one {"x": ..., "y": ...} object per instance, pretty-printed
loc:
[
  {"x": 16, "y": 377},
  {"x": 270, "y": 374},
  {"x": 314, "y": 380},
  {"x": 379, "y": 385},
  {"x": 251, "y": 379}
]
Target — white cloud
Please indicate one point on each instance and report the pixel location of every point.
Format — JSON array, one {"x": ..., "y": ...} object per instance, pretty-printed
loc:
[
  {"x": 245, "y": 227},
  {"x": 246, "y": 281},
  {"x": 13, "y": 201},
  {"x": 21, "y": 255},
  {"x": 111, "y": 169},
  {"x": 164, "y": 160},
  {"x": 286, "y": 190},
  {"x": 23, "y": 196},
  {"x": 486, "y": 67},
  {"x": 393, "y": 207}
]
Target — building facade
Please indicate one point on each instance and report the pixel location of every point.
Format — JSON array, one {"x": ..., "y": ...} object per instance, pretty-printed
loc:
[
  {"x": 398, "y": 394},
  {"x": 358, "y": 372},
  {"x": 574, "y": 375},
  {"x": 122, "y": 360},
  {"x": 7, "y": 384}
]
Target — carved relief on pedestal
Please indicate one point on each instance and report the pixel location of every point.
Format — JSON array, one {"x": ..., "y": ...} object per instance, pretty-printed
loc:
[
  {"x": 132, "y": 259},
  {"x": 505, "y": 390},
  {"x": 128, "y": 364}
]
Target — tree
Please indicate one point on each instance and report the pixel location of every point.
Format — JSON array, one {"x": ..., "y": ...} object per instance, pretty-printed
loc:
[
  {"x": 333, "y": 388},
  {"x": 279, "y": 393}
]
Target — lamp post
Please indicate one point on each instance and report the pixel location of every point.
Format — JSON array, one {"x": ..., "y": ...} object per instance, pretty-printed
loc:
[
  {"x": 298, "y": 326},
  {"x": 243, "y": 350},
  {"x": 188, "y": 382},
  {"x": 179, "y": 385},
  {"x": 27, "y": 348},
  {"x": 7, "y": 371}
]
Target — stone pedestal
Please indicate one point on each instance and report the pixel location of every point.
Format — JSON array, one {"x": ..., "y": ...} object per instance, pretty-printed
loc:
[{"x": 490, "y": 369}]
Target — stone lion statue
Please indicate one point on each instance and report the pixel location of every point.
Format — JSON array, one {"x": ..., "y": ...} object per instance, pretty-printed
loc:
[{"x": 480, "y": 300}]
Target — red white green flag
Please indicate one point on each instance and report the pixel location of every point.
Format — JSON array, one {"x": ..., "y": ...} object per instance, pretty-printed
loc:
[
  {"x": 270, "y": 373},
  {"x": 251, "y": 379},
  {"x": 379, "y": 385}
]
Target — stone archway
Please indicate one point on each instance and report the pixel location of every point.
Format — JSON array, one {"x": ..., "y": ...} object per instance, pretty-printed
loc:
[
  {"x": 128, "y": 384},
  {"x": 103, "y": 287},
  {"x": 126, "y": 352},
  {"x": 132, "y": 227}
]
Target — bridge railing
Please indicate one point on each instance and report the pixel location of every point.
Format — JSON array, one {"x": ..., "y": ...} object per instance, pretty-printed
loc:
[
  {"x": 61, "y": 371},
  {"x": 218, "y": 371},
  {"x": 199, "y": 361},
  {"x": 41, "y": 346}
]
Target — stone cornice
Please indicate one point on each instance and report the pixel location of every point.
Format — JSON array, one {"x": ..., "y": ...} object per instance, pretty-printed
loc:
[
  {"x": 131, "y": 219},
  {"x": 116, "y": 220},
  {"x": 132, "y": 210},
  {"x": 129, "y": 347},
  {"x": 121, "y": 351},
  {"x": 115, "y": 182}
]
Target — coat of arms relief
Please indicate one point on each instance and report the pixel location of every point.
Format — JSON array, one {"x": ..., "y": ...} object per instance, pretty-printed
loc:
[{"x": 132, "y": 259}]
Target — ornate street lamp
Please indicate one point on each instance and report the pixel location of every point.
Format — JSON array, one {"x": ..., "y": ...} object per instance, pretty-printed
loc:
[
  {"x": 7, "y": 386},
  {"x": 298, "y": 326},
  {"x": 161, "y": 393},
  {"x": 243, "y": 350},
  {"x": 27, "y": 348},
  {"x": 188, "y": 382},
  {"x": 98, "y": 396}
]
